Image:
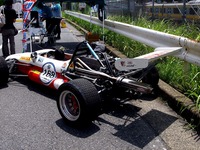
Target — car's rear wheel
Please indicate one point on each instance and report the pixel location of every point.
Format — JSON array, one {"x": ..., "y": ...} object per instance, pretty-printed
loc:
[
  {"x": 4, "y": 72},
  {"x": 152, "y": 77},
  {"x": 78, "y": 102}
]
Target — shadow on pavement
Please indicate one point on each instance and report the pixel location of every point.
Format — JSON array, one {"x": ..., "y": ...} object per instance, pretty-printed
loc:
[
  {"x": 135, "y": 129},
  {"x": 3, "y": 86},
  {"x": 34, "y": 87},
  {"x": 195, "y": 131},
  {"x": 197, "y": 136},
  {"x": 78, "y": 132},
  {"x": 140, "y": 130}
]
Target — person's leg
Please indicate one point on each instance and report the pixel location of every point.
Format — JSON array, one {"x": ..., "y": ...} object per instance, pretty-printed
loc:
[
  {"x": 5, "y": 49},
  {"x": 48, "y": 26},
  {"x": 58, "y": 30},
  {"x": 12, "y": 44},
  {"x": 48, "y": 29}
]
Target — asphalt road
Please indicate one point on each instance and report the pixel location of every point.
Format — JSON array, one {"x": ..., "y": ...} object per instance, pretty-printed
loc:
[{"x": 29, "y": 119}]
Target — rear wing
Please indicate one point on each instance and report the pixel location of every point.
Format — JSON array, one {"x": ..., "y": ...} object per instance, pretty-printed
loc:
[
  {"x": 160, "y": 52},
  {"x": 144, "y": 60}
]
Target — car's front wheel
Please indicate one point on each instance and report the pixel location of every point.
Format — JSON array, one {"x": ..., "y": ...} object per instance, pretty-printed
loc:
[{"x": 78, "y": 102}]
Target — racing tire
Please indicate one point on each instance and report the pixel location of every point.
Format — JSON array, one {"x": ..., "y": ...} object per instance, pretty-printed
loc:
[
  {"x": 78, "y": 102},
  {"x": 4, "y": 71},
  {"x": 152, "y": 78}
]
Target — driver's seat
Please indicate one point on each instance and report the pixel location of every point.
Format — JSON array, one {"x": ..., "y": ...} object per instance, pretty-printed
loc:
[{"x": 59, "y": 54}]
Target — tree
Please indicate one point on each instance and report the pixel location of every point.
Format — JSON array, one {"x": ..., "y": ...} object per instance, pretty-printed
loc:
[{"x": 1, "y": 2}]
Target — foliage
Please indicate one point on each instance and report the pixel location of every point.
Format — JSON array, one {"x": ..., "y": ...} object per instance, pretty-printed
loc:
[{"x": 1, "y": 2}]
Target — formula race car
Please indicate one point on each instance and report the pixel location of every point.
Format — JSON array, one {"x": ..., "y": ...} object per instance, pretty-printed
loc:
[{"x": 86, "y": 78}]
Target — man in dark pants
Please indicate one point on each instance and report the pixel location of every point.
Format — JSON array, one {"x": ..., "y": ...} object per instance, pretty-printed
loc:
[
  {"x": 8, "y": 30},
  {"x": 57, "y": 14},
  {"x": 46, "y": 15}
]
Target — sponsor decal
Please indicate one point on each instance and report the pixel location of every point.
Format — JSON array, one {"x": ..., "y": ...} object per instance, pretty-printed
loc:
[
  {"x": 48, "y": 73},
  {"x": 64, "y": 65},
  {"x": 127, "y": 64},
  {"x": 25, "y": 58},
  {"x": 71, "y": 66},
  {"x": 36, "y": 71},
  {"x": 40, "y": 60},
  {"x": 122, "y": 63},
  {"x": 130, "y": 64}
]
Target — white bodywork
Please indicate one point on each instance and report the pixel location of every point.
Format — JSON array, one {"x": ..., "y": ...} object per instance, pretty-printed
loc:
[{"x": 40, "y": 60}]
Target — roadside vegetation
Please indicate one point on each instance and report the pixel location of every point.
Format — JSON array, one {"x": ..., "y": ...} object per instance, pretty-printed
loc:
[
  {"x": 1, "y": 2},
  {"x": 172, "y": 70}
]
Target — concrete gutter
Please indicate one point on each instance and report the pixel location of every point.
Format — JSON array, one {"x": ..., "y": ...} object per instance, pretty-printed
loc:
[
  {"x": 176, "y": 100},
  {"x": 180, "y": 103}
]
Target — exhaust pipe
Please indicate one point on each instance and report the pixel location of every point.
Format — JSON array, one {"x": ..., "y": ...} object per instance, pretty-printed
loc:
[
  {"x": 136, "y": 86},
  {"x": 121, "y": 81}
]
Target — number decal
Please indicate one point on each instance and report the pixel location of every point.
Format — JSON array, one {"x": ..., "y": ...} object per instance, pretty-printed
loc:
[{"x": 48, "y": 74}]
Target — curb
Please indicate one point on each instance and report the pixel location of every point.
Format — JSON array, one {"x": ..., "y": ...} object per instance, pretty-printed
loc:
[{"x": 180, "y": 103}]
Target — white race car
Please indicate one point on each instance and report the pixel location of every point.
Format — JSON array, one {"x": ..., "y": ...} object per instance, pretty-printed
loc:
[{"x": 86, "y": 79}]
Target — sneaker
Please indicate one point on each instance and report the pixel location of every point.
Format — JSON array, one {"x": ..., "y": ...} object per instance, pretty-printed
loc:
[
  {"x": 4, "y": 57},
  {"x": 58, "y": 38}
]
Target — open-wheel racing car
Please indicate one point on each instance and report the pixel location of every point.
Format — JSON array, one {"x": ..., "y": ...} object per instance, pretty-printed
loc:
[{"x": 86, "y": 78}]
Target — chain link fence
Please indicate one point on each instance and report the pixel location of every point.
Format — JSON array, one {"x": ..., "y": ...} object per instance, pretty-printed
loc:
[
  {"x": 124, "y": 7},
  {"x": 181, "y": 10}
]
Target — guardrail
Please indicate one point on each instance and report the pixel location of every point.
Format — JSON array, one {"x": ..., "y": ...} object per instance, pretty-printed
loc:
[{"x": 190, "y": 48}]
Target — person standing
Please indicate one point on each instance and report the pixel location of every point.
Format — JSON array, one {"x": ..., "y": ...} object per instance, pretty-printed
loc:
[
  {"x": 8, "y": 30},
  {"x": 57, "y": 14},
  {"x": 46, "y": 14}
]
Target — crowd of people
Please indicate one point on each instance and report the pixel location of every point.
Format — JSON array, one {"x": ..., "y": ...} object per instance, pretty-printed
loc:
[{"x": 50, "y": 13}]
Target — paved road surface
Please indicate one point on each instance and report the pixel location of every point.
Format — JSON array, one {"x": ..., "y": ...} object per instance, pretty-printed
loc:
[{"x": 29, "y": 120}]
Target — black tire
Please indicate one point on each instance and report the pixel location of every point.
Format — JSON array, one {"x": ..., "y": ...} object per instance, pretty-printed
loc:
[
  {"x": 78, "y": 102},
  {"x": 4, "y": 72},
  {"x": 152, "y": 77}
]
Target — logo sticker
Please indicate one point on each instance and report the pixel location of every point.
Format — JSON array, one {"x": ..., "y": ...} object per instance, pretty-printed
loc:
[
  {"x": 25, "y": 58},
  {"x": 123, "y": 63},
  {"x": 130, "y": 64},
  {"x": 40, "y": 60},
  {"x": 48, "y": 73},
  {"x": 64, "y": 65}
]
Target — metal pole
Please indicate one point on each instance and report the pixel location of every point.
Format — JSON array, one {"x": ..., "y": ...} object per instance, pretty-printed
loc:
[
  {"x": 184, "y": 11},
  {"x": 103, "y": 23},
  {"x": 152, "y": 9}
]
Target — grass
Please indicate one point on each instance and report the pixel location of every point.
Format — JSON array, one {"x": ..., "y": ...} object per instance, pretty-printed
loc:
[{"x": 171, "y": 70}]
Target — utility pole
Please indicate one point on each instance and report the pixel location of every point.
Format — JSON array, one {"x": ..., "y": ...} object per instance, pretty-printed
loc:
[
  {"x": 184, "y": 11},
  {"x": 153, "y": 9}
]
